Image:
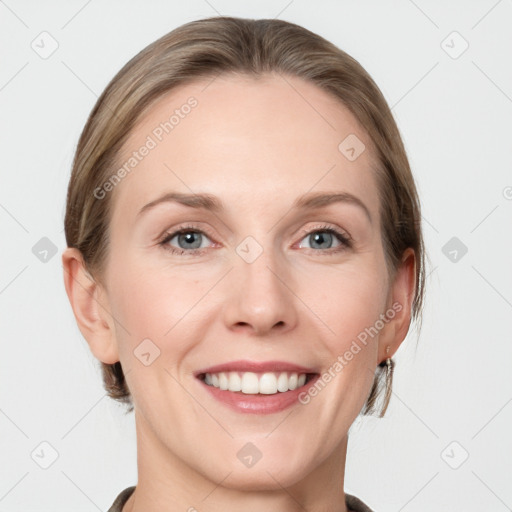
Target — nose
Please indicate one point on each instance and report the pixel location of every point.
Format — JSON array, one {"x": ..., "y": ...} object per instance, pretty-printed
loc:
[{"x": 260, "y": 297}]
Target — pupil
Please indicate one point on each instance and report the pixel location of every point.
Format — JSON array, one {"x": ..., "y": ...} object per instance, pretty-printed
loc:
[{"x": 321, "y": 237}]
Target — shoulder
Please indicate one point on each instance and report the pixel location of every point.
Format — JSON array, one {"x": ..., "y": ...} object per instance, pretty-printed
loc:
[
  {"x": 354, "y": 504},
  {"x": 121, "y": 499}
]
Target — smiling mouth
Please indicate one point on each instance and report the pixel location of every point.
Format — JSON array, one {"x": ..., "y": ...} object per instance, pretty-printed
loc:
[{"x": 252, "y": 383}]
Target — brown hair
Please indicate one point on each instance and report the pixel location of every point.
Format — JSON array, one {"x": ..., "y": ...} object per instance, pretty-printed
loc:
[{"x": 206, "y": 48}]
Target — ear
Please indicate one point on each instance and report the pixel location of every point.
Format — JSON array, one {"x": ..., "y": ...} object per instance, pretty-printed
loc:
[
  {"x": 400, "y": 303},
  {"x": 90, "y": 306}
]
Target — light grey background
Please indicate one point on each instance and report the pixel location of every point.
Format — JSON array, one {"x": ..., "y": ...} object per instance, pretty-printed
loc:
[{"x": 453, "y": 389}]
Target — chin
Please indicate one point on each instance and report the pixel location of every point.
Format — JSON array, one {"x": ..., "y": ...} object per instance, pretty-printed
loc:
[{"x": 263, "y": 477}]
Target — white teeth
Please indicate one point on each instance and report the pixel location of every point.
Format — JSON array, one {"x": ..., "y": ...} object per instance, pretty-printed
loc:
[
  {"x": 282, "y": 382},
  {"x": 223, "y": 381},
  {"x": 235, "y": 382},
  {"x": 251, "y": 383},
  {"x": 268, "y": 384}
]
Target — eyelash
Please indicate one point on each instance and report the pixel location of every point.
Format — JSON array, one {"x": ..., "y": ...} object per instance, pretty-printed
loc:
[{"x": 346, "y": 240}]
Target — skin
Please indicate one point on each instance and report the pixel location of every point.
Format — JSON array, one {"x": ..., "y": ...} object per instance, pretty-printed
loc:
[{"x": 257, "y": 145}]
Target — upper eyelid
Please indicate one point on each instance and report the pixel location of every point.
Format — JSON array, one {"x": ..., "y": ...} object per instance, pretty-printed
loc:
[{"x": 327, "y": 227}]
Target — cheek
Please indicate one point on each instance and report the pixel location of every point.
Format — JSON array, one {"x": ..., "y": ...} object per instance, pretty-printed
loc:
[
  {"x": 153, "y": 312},
  {"x": 140, "y": 305},
  {"x": 347, "y": 299},
  {"x": 146, "y": 305},
  {"x": 163, "y": 305}
]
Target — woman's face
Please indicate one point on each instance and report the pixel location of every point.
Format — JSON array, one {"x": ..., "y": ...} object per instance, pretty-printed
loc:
[{"x": 261, "y": 278}]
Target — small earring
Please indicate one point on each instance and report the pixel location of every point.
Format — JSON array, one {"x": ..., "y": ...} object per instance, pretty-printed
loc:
[
  {"x": 389, "y": 381},
  {"x": 389, "y": 364},
  {"x": 389, "y": 367}
]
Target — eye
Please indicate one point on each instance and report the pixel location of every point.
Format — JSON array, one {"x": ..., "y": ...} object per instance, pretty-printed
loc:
[
  {"x": 188, "y": 240},
  {"x": 324, "y": 237}
]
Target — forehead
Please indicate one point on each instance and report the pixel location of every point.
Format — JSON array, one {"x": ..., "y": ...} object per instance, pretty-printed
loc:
[{"x": 245, "y": 139}]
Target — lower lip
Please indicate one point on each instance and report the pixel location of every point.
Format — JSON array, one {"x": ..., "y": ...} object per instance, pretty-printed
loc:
[{"x": 258, "y": 403}]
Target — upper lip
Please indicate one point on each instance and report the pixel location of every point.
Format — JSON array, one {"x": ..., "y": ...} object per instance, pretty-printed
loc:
[{"x": 256, "y": 367}]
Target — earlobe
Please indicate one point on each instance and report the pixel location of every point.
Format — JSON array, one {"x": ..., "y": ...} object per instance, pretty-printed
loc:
[
  {"x": 90, "y": 307},
  {"x": 401, "y": 299}
]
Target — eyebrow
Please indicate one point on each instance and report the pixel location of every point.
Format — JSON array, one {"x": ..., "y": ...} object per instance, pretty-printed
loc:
[{"x": 310, "y": 201}]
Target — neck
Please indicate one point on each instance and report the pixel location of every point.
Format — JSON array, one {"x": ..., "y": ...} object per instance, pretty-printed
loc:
[{"x": 166, "y": 482}]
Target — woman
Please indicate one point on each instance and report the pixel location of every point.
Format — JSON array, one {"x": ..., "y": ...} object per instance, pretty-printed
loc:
[{"x": 246, "y": 356}]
